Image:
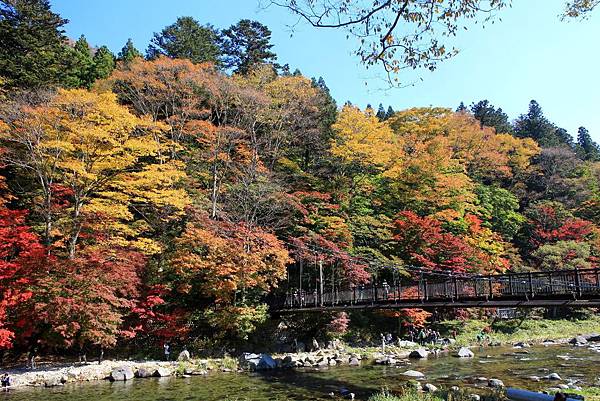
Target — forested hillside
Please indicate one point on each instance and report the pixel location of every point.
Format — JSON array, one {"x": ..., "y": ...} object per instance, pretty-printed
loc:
[{"x": 160, "y": 198}]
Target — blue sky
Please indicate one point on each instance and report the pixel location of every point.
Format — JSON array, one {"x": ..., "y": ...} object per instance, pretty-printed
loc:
[{"x": 530, "y": 54}]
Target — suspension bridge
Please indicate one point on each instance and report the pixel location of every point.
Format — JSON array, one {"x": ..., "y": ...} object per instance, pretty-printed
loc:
[{"x": 434, "y": 289}]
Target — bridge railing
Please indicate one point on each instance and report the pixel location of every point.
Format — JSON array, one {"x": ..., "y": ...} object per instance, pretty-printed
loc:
[{"x": 565, "y": 283}]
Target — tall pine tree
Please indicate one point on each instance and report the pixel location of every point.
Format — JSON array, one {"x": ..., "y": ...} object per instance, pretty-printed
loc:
[
  {"x": 80, "y": 71},
  {"x": 246, "y": 44},
  {"x": 587, "y": 149},
  {"x": 536, "y": 126},
  {"x": 128, "y": 52},
  {"x": 186, "y": 39},
  {"x": 489, "y": 116},
  {"x": 31, "y": 43},
  {"x": 380, "y": 112},
  {"x": 104, "y": 63}
]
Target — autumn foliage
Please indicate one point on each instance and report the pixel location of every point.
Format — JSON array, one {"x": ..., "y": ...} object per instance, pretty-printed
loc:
[{"x": 171, "y": 200}]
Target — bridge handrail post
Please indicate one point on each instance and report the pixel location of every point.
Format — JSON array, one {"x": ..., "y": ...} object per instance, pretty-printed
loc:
[
  {"x": 530, "y": 277},
  {"x": 510, "y": 285},
  {"x": 597, "y": 277},
  {"x": 425, "y": 289},
  {"x": 491, "y": 288},
  {"x": 578, "y": 282},
  {"x": 455, "y": 287}
]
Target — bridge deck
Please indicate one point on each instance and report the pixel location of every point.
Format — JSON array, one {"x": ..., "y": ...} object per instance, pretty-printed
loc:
[{"x": 571, "y": 288}]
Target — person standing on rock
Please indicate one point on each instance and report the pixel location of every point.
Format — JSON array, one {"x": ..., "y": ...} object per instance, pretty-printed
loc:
[
  {"x": 167, "y": 351},
  {"x": 32, "y": 355},
  {"x": 5, "y": 381}
]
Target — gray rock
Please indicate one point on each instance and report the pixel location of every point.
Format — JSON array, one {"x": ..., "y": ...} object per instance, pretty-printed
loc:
[
  {"x": 143, "y": 373},
  {"x": 162, "y": 372},
  {"x": 322, "y": 363},
  {"x": 53, "y": 381},
  {"x": 419, "y": 353},
  {"x": 464, "y": 352},
  {"x": 332, "y": 362},
  {"x": 553, "y": 376},
  {"x": 495, "y": 383},
  {"x": 455, "y": 388},
  {"x": 481, "y": 379},
  {"x": 474, "y": 397},
  {"x": 121, "y": 373},
  {"x": 430, "y": 388},
  {"x": 413, "y": 373},
  {"x": 522, "y": 345},
  {"x": 184, "y": 356},
  {"x": 534, "y": 378},
  {"x": 354, "y": 362},
  {"x": 578, "y": 340}
]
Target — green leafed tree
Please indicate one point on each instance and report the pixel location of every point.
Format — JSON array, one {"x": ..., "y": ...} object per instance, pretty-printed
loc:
[
  {"x": 489, "y": 116},
  {"x": 245, "y": 45},
  {"x": 80, "y": 65},
  {"x": 128, "y": 52},
  {"x": 380, "y": 112},
  {"x": 186, "y": 39},
  {"x": 31, "y": 43},
  {"x": 587, "y": 149},
  {"x": 389, "y": 113},
  {"x": 104, "y": 63},
  {"x": 499, "y": 210},
  {"x": 536, "y": 126}
]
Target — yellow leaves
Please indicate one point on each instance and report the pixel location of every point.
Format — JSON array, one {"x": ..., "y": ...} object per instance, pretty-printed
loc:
[{"x": 363, "y": 139}]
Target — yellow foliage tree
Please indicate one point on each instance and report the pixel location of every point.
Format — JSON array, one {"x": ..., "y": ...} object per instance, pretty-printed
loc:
[
  {"x": 113, "y": 164},
  {"x": 363, "y": 139}
]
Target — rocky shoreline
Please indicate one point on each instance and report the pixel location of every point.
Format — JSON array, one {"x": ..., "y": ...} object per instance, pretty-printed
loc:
[{"x": 336, "y": 355}]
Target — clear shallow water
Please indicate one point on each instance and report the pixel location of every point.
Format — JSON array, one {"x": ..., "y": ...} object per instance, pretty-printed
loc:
[{"x": 500, "y": 363}]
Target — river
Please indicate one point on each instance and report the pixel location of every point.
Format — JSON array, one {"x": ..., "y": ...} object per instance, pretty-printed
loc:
[{"x": 512, "y": 366}]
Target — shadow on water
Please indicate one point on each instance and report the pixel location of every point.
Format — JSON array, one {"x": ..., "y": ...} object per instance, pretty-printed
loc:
[{"x": 318, "y": 382}]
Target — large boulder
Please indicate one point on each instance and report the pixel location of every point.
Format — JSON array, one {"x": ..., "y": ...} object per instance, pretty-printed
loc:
[
  {"x": 266, "y": 362},
  {"x": 464, "y": 352},
  {"x": 419, "y": 353},
  {"x": 250, "y": 360},
  {"x": 430, "y": 388},
  {"x": 553, "y": 376},
  {"x": 143, "y": 373},
  {"x": 578, "y": 340},
  {"x": 354, "y": 362},
  {"x": 184, "y": 356},
  {"x": 121, "y": 373},
  {"x": 413, "y": 373}
]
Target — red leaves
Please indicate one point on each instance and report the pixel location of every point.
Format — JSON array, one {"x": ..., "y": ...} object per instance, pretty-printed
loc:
[
  {"x": 423, "y": 242},
  {"x": 21, "y": 259},
  {"x": 549, "y": 223},
  {"x": 85, "y": 300}
]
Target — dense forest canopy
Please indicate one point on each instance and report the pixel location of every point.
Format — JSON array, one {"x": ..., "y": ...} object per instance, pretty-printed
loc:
[{"x": 160, "y": 198}]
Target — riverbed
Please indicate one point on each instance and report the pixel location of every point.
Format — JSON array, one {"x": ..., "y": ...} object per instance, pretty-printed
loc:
[{"x": 515, "y": 367}]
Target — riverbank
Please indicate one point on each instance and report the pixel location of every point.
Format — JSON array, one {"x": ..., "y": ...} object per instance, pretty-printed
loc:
[
  {"x": 538, "y": 368},
  {"x": 523, "y": 334}
]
